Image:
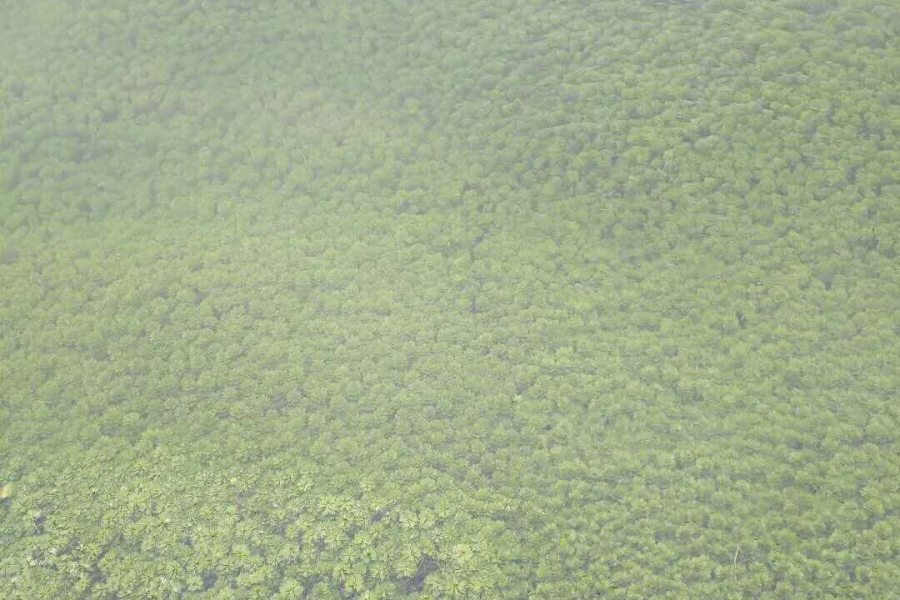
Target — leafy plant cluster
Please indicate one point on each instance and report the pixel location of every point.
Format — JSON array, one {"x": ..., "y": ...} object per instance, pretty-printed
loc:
[{"x": 449, "y": 300}]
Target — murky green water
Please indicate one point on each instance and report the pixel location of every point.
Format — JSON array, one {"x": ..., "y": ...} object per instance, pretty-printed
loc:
[{"x": 489, "y": 300}]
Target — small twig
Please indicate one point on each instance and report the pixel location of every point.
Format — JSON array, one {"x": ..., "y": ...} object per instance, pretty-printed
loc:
[{"x": 735, "y": 562}]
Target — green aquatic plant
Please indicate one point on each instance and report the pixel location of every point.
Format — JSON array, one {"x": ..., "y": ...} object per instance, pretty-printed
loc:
[{"x": 472, "y": 300}]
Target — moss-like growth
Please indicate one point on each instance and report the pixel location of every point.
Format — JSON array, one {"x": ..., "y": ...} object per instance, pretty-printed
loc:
[{"x": 383, "y": 300}]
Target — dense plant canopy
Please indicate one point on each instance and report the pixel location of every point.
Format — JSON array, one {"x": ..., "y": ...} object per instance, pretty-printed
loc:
[{"x": 460, "y": 299}]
